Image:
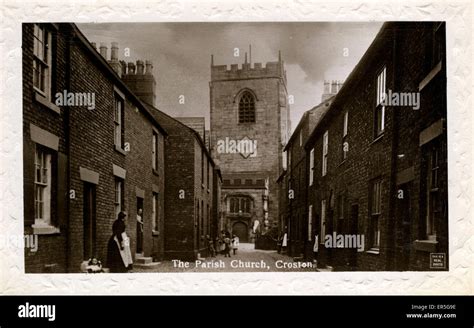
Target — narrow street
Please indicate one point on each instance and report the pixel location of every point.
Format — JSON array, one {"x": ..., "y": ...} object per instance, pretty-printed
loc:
[{"x": 247, "y": 259}]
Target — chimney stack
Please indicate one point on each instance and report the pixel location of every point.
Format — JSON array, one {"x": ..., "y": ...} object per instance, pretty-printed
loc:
[
  {"x": 140, "y": 67},
  {"x": 103, "y": 50},
  {"x": 149, "y": 67},
  {"x": 114, "y": 52},
  {"x": 93, "y": 44}
]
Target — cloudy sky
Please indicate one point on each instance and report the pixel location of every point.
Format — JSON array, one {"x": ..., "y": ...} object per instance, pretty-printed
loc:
[{"x": 181, "y": 55}]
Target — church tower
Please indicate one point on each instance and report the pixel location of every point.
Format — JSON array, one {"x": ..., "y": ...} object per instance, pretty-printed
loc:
[{"x": 249, "y": 127}]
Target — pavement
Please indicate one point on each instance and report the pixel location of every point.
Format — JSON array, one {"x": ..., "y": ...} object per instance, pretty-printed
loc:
[{"x": 247, "y": 259}]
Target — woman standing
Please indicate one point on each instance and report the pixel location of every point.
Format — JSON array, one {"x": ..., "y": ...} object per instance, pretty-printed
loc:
[{"x": 118, "y": 248}]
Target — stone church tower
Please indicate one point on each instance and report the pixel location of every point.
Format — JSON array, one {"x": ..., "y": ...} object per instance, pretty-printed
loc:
[{"x": 249, "y": 126}]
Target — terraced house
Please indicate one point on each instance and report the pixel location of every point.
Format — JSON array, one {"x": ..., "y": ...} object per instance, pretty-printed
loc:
[
  {"x": 84, "y": 165},
  {"x": 378, "y": 166}
]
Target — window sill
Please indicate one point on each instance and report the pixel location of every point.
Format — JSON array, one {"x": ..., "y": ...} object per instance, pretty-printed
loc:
[
  {"x": 155, "y": 233},
  {"x": 120, "y": 150},
  {"x": 431, "y": 75},
  {"x": 208, "y": 191},
  {"x": 44, "y": 229},
  {"x": 202, "y": 186},
  {"x": 155, "y": 172},
  {"x": 46, "y": 103},
  {"x": 374, "y": 251},
  {"x": 378, "y": 138},
  {"x": 425, "y": 245}
]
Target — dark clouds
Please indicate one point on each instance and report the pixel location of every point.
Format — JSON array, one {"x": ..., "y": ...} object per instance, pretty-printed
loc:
[{"x": 181, "y": 54}]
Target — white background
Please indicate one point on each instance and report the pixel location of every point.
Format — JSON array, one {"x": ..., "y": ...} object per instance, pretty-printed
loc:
[{"x": 459, "y": 280}]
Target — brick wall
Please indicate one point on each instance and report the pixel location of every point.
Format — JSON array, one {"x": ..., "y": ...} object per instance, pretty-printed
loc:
[
  {"x": 51, "y": 254},
  {"x": 369, "y": 157}
]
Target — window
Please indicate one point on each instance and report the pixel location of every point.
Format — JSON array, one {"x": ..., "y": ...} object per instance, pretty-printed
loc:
[
  {"x": 154, "y": 151},
  {"x": 310, "y": 222},
  {"x": 433, "y": 210},
  {"x": 119, "y": 195},
  {"x": 118, "y": 120},
  {"x": 208, "y": 174},
  {"x": 240, "y": 205},
  {"x": 155, "y": 212},
  {"x": 42, "y": 60},
  {"x": 380, "y": 107},
  {"x": 202, "y": 168},
  {"x": 247, "y": 108},
  {"x": 289, "y": 159},
  {"x": 376, "y": 209},
  {"x": 42, "y": 186},
  {"x": 325, "y": 152},
  {"x": 311, "y": 167},
  {"x": 323, "y": 222},
  {"x": 345, "y": 144},
  {"x": 346, "y": 124}
]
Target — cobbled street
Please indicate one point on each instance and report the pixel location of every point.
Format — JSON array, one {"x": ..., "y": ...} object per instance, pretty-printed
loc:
[{"x": 245, "y": 258}]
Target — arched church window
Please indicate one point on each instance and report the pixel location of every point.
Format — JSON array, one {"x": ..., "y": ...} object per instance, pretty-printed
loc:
[
  {"x": 247, "y": 108},
  {"x": 240, "y": 205}
]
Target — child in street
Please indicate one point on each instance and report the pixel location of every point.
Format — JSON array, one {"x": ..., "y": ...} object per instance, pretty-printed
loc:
[
  {"x": 210, "y": 246},
  {"x": 235, "y": 243},
  {"x": 227, "y": 242}
]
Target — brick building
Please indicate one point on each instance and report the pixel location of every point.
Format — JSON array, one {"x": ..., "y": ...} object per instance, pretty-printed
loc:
[
  {"x": 249, "y": 126},
  {"x": 192, "y": 182},
  {"x": 82, "y": 165},
  {"x": 380, "y": 167},
  {"x": 293, "y": 181}
]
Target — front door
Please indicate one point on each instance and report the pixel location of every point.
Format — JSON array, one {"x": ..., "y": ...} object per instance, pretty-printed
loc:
[
  {"x": 404, "y": 226},
  {"x": 140, "y": 224},
  {"x": 354, "y": 231},
  {"x": 240, "y": 230},
  {"x": 89, "y": 221}
]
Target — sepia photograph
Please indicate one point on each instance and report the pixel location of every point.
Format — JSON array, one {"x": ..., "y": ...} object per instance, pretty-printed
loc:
[{"x": 220, "y": 147}]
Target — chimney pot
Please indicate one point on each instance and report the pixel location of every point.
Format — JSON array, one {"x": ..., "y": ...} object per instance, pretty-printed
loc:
[
  {"x": 131, "y": 68},
  {"x": 103, "y": 50},
  {"x": 140, "y": 67},
  {"x": 149, "y": 67},
  {"x": 114, "y": 52}
]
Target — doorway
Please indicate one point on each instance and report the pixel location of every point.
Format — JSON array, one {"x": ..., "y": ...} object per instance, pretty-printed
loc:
[
  {"x": 404, "y": 226},
  {"x": 240, "y": 229},
  {"x": 354, "y": 231},
  {"x": 140, "y": 225},
  {"x": 89, "y": 221}
]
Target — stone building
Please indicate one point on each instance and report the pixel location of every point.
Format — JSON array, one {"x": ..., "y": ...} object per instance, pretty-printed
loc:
[
  {"x": 83, "y": 163},
  {"x": 380, "y": 165},
  {"x": 249, "y": 126}
]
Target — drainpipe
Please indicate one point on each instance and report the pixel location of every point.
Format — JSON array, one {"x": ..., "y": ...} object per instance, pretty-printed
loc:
[
  {"x": 67, "y": 133},
  {"x": 391, "y": 226}
]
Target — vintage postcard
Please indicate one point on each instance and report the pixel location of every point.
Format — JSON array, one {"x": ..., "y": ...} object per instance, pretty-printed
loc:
[{"x": 306, "y": 149}]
